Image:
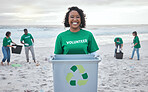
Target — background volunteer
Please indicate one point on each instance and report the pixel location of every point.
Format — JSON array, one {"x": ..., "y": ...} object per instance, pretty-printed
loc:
[
  {"x": 28, "y": 41},
  {"x": 75, "y": 40},
  {"x": 118, "y": 43},
  {"x": 136, "y": 45},
  {"x": 5, "y": 48}
]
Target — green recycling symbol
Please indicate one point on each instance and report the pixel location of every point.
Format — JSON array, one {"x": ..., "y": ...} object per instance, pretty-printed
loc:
[{"x": 79, "y": 82}]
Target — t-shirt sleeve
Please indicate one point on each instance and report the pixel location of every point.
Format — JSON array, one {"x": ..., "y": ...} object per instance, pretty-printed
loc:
[
  {"x": 31, "y": 36},
  {"x": 22, "y": 38},
  {"x": 92, "y": 45},
  {"x": 58, "y": 45},
  {"x": 136, "y": 40},
  {"x": 5, "y": 42}
]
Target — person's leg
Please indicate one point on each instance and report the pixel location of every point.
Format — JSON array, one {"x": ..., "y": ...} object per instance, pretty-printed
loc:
[
  {"x": 120, "y": 46},
  {"x": 32, "y": 52},
  {"x": 4, "y": 54},
  {"x": 133, "y": 53},
  {"x": 116, "y": 50},
  {"x": 8, "y": 55},
  {"x": 138, "y": 56},
  {"x": 27, "y": 53}
]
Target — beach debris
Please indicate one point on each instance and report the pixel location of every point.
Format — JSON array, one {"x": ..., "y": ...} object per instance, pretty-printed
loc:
[
  {"x": 37, "y": 64},
  {"x": 4, "y": 78},
  {"x": 9, "y": 82},
  {"x": 43, "y": 85},
  {"x": 44, "y": 79},
  {"x": 30, "y": 91},
  {"x": 16, "y": 65},
  {"x": 124, "y": 68}
]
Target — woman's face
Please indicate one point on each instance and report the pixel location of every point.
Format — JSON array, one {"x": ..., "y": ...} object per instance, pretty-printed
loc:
[
  {"x": 9, "y": 34},
  {"x": 133, "y": 34},
  {"x": 74, "y": 19}
]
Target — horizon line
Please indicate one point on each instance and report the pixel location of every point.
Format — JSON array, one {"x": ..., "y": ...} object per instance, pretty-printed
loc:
[{"x": 63, "y": 25}]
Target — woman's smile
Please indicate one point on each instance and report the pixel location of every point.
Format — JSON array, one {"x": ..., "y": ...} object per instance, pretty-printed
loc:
[
  {"x": 74, "y": 23},
  {"x": 74, "y": 19}
]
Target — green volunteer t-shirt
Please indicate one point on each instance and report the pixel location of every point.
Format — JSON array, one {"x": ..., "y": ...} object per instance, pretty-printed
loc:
[
  {"x": 81, "y": 42},
  {"x": 136, "y": 40},
  {"x": 118, "y": 42},
  {"x": 27, "y": 39},
  {"x": 7, "y": 41}
]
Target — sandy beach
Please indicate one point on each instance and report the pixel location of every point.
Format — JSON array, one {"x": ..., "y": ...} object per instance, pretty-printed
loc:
[
  {"x": 114, "y": 75},
  {"x": 40, "y": 24},
  {"x": 123, "y": 75}
]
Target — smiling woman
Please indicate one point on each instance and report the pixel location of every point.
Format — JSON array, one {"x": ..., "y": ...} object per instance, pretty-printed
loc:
[{"x": 75, "y": 40}]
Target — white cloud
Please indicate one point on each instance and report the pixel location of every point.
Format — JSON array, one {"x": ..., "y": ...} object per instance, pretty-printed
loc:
[{"x": 99, "y": 12}]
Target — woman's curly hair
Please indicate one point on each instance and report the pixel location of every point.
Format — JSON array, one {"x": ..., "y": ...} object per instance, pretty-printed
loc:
[{"x": 82, "y": 15}]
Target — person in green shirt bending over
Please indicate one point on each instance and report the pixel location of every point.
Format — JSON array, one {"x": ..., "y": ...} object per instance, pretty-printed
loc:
[
  {"x": 75, "y": 40},
  {"x": 118, "y": 43},
  {"x": 5, "y": 49},
  {"x": 28, "y": 41},
  {"x": 136, "y": 45}
]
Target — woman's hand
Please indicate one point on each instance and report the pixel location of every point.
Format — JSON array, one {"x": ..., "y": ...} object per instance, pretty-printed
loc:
[{"x": 14, "y": 47}]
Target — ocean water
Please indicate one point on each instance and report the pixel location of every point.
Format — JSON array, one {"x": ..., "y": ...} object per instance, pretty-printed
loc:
[{"x": 46, "y": 35}]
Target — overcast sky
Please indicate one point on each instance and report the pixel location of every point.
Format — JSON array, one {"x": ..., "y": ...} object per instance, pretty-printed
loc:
[{"x": 52, "y": 12}]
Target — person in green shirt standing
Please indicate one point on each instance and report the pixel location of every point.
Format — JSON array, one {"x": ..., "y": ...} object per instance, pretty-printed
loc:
[
  {"x": 5, "y": 48},
  {"x": 75, "y": 40},
  {"x": 28, "y": 41},
  {"x": 136, "y": 45},
  {"x": 118, "y": 43}
]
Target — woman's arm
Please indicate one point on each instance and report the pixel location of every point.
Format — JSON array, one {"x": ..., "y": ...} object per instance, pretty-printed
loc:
[
  {"x": 22, "y": 42},
  {"x": 135, "y": 44},
  {"x": 9, "y": 46},
  {"x": 121, "y": 45},
  {"x": 33, "y": 40},
  {"x": 13, "y": 43},
  {"x": 115, "y": 43}
]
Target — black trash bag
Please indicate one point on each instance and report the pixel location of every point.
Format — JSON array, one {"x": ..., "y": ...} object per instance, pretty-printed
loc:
[
  {"x": 119, "y": 55},
  {"x": 17, "y": 50}
]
